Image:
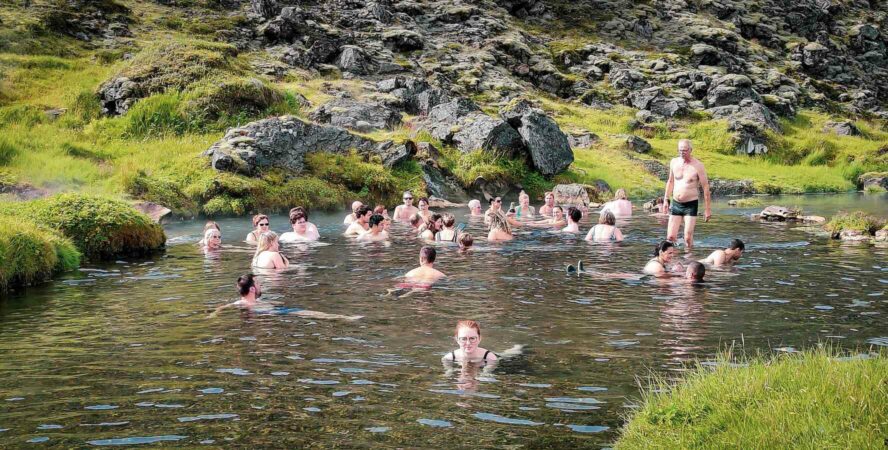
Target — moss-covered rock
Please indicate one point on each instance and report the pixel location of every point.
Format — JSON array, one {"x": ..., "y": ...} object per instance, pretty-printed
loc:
[
  {"x": 30, "y": 253},
  {"x": 853, "y": 225},
  {"x": 236, "y": 97},
  {"x": 101, "y": 228}
]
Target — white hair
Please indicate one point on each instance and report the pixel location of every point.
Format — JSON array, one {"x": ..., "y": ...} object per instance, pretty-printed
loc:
[
  {"x": 687, "y": 141},
  {"x": 474, "y": 203}
]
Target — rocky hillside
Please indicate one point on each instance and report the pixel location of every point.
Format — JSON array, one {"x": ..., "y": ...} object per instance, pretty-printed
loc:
[{"x": 453, "y": 94}]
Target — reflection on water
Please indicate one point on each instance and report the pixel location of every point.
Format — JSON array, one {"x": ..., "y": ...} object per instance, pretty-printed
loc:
[{"x": 123, "y": 353}]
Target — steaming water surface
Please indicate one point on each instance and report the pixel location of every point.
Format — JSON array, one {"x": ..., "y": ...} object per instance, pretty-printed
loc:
[{"x": 123, "y": 354}]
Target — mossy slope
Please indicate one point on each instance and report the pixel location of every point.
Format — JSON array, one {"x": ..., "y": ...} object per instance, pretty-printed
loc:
[
  {"x": 30, "y": 253},
  {"x": 812, "y": 400}
]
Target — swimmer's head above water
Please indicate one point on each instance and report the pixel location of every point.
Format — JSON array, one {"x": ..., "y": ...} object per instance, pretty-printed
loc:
[
  {"x": 735, "y": 249},
  {"x": 664, "y": 251},
  {"x": 375, "y": 220},
  {"x": 574, "y": 214},
  {"x": 475, "y": 207},
  {"x": 465, "y": 241},
  {"x": 427, "y": 256},
  {"x": 695, "y": 271},
  {"x": 248, "y": 287}
]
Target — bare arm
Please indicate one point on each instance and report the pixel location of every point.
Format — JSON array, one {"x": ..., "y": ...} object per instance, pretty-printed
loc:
[
  {"x": 670, "y": 182},
  {"x": 704, "y": 181}
]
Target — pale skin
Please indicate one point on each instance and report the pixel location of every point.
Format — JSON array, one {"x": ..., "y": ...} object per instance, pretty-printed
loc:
[
  {"x": 271, "y": 259},
  {"x": 403, "y": 212},
  {"x": 726, "y": 257},
  {"x": 546, "y": 209},
  {"x": 351, "y": 217},
  {"x": 374, "y": 234},
  {"x": 658, "y": 266},
  {"x": 359, "y": 226},
  {"x": 686, "y": 176},
  {"x": 303, "y": 231},
  {"x": 424, "y": 210},
  {"x": 620, "y": 207},
  {"x": 556, "y": 221},
  {"x": 251, "y": 302},
  {"x": 213, "y": 240},
  {"x": 602, "y": 233},
  {"x": 524, "y": 209},
  {"x": 261, "y": 227},
  {"x": 469, "y": 341},
  {"x": 425, "y": 273}
]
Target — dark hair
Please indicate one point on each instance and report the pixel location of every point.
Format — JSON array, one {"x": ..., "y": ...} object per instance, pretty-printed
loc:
[
  {"x": 301, "y": 209},
  {"x": 697, "y": 270},
  {"x": 574, "y": 213},
  {"x": 244, "y": 283},
  {"x": 428, "y": 254},
  {"x": 379, "y": 209},
  {"x": 737, "y": 244},
  {"x": 448, "y": 219},
  {"x": 662, "y": 247},
  {"x": 432, "y": 223},
  {"x": 465, "y": 240},
  {"x": 297, "y": 214},
  {"x": 415, "y": 219},
  {"x": 376, "y": 219},
  {"x": 423, "y": 199},
  {"x": 363, "y": 211}
]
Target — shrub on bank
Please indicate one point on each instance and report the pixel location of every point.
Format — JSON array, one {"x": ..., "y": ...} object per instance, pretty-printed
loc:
[
  {"x": 855, "y": 221},
  {"x": 101, "y": 228},
  {"x": 30, "y": 253},
  {"x": 809, "y": 400}
]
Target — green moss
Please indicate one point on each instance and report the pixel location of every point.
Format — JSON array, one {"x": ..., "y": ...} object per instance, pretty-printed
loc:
[
  {"x": 232, "y": 100},
  {"x": 101, "y": 228},
  {"x": 30, "y": 253},
  {"x": 810, "y": 400},
  {"x": 368, "y": 180},
  {"x": 855, "y": 221}
]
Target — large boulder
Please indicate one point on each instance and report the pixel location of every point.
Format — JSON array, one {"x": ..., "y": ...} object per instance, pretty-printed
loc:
[
  {"x": 480, "y": 131},
  {"x": 361, "y": 116},
  {"x": 443, "y": 120},
  {"x": 730, "y": 89},
  {"x": 841, "y": 128},
  {"x": 118, "y": 95},
  {"x": 442, "y": 185},
  {"x": 403, "y": 40},
  {"x": 572, "y": 195},
  {"x": 280, "y": 142},
  {"x": 547, "y": 145},
  {"x": 353, "y": 59},
  {"x": 637, "y": 144},
  {"x": 653, "y": 100},
  {"x": 392, "y": 153},
  {"x": 414, "y": 95}
]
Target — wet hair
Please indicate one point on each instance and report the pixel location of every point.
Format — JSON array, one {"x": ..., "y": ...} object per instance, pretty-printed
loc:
[
  {"x": 379, "y": 209},
  {"x": 499, "y": 221},
  {"x": 467, "y": 324},
  {"x": 448, "y": 219},
  {"x": 264, "y": 242},
  {"x": 258, "y": 218},
  {"x": 574, "y": 214},
  {"x": 465, "y": 240},
  {"x": 212, "y": 225},
  {"x": 737, "y": 244},
  {"x": 428, "y": 254},
  {"x": 301, "y": 209},
  {"x": 662, "y": 247},
  {"x": 296, "y": 215},
  {"x": 423, "y": 199},
  {"x": 607, "y": 218},
  {"x": 244, "y": 283},
  {"x": 620, "y": 194},
  {"x": 474, "y": 203},
  {"x": 415, "y": 219},
  {"x": 376, "y": 219},
  {"x": 362, "y": 211},
  {"x": 697, "y": 270}
]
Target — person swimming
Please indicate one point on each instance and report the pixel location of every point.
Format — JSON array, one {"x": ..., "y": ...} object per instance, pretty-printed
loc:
[
  {"x": 417, "y": 222},
  {"x": 606, "y": 230},
  {"x": 383, "y": 211},
  {"x": 377, "y": 232},
  {"x": 301, "y": 231},
  {"x": 250, "y": 291},
  {"x": 261, "y": 225},
  {"x": 311, "y": 230},
  {"x": 465, "y": 241},
  {"x": 663, "y": 254},
  {"x": 546, "y": 209},
  {"x": 726, "y": 257},
  {"x": 695, "y": 272},
  {"x": 212, "y": 239},
  {"x": 360, "y": 225},
  {"x": 448, "y": 230},
  {"x": 620, "y": 205},
  {"x": 573, "y": 220},
  {"x": 468, "y": 337},
  {"x": 500, "y": 229},
  {"x": 268, "y": 254},
  {"x": 475, "y": 208},
  {"x": 210, "y": 225},
  {"x": 424, "y": 210},
  {"x": 404, "y": 212},
  {"x": 555, "y": 221},
  {"x": 353, "y": 216},
  {"x": 425, "y": 274},
  {"x": 524, "y": 211}
]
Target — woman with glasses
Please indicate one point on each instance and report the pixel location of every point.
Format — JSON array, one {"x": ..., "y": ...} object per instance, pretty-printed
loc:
[
  {"x": 496, "y": 207},
  {"x": 212, "y": 240},
  {"x": 405, "y": 211},
  {"x": 260, "y": 223},
  {"x": 207, "y": 227},
  {"x": 468, "y": 337},
  {"x": 424, "y": 210},
  {"x": 301, "y": 231}
]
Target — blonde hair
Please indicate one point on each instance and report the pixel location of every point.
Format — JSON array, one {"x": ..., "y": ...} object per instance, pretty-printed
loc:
[
  {"x": 498, "y": 220},
  {"x": 607, "y": 218},
  {"x": 265, "y": 241},
  {"x": 620, "y": 194}
]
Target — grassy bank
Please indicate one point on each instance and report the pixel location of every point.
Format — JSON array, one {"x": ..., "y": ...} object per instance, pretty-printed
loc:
[
  {"x": 31, "y": 253},
  {"x": 810, "y": 400},
  {"x": 54, "y": 138}
]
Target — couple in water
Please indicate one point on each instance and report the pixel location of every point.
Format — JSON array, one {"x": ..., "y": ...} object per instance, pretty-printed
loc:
[
  {"x": 664, "y": 253},
  {"x": 367, "y": 226}
]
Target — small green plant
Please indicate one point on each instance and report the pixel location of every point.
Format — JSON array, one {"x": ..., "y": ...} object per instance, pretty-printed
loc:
[
  {"x": 30, "y": 253},
  {"x": 855, "y": 221},
  {"x": 874, "y": 190}
]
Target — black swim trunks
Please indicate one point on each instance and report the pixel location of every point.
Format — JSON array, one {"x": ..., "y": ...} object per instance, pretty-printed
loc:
[{"x": 684, "y": 208}]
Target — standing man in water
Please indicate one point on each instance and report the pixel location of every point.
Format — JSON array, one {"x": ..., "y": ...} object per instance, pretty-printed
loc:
[
  {"x": 686, "y": 176},
  {"x": 403, "y": 212}
]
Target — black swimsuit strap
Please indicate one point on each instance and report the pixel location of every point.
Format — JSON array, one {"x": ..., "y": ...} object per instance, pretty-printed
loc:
[
  {"x": 453, "y": 354},
  {"x": 485, "y": 355}
]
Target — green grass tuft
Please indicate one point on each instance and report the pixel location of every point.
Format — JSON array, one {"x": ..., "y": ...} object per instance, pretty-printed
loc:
[
  {"x": 810, "y": 400},
  {"x": 855, "y": 221},
  {"x": 30, "y": 253},
  {"x": 101, "y": 228}
]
